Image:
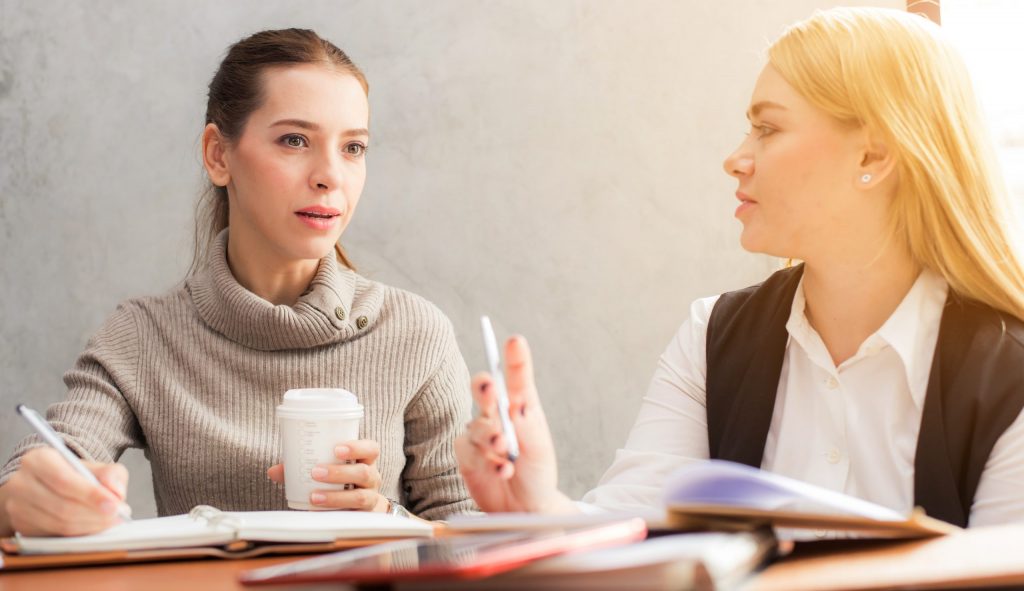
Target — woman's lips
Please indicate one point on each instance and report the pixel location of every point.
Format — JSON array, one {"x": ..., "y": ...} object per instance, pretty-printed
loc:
[
  {"x": 318, "y": 217},
  {"x": 746, "y": 203}
]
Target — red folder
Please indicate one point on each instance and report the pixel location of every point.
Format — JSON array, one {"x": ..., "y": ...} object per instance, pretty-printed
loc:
[{"x": 456, "y": 557}]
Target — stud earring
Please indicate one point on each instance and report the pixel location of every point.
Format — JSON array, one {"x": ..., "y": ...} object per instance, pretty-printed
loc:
[{"x": 866, "y": 178}]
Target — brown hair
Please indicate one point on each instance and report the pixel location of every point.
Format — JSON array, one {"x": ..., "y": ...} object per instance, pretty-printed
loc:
[{"x": 236, "y": 91}]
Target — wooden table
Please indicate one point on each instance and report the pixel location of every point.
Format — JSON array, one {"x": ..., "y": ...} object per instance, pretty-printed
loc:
[
  {"x": 189, "y": 575},
  {"x": 985, "y": 557}
]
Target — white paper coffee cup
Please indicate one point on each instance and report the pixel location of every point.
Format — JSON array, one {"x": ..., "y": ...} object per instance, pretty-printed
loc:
[{"x": 313, "y": 422}]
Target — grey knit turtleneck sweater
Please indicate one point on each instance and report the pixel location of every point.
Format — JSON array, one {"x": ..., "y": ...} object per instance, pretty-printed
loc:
[{"x": 193, "y": 378}]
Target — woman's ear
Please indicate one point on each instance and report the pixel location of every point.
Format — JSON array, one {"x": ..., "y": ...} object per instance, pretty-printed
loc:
[
  {"x": 214, "y": 155},
  {"x": 876, "y": 163}
]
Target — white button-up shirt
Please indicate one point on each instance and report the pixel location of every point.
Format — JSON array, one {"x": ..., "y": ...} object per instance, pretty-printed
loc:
[{"x": 851, "y": 428}]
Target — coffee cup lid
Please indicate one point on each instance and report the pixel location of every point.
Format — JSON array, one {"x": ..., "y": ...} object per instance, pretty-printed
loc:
[{"x": 328, "y": 400}]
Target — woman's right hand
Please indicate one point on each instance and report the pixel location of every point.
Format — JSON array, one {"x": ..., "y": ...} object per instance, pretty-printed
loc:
[
  {"x": 530, "y": 484},
  {"x": 46, "y": 497}
]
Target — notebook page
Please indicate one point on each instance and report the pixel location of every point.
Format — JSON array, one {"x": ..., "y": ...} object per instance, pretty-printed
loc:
[
  {"x": 178, "y": 531},
  {"x": 716, "y": 482},
  {"x": 324, "y": 526},
  {"x": 654, "y": 517}
]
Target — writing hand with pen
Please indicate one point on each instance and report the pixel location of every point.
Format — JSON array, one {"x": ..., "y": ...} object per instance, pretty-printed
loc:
[{"x": 53, "y": 493}]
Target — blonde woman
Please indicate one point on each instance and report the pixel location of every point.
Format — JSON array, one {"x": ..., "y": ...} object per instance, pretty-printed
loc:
[{"x": 888, "y": 365}]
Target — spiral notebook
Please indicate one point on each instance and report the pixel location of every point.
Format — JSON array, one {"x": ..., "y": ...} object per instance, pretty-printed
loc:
[{"x": 207, "y": 531}]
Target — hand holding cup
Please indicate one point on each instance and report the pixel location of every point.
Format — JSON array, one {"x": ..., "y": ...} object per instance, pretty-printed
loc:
[
  {"x": 325, "y": 465},
  {"x": 355, "y": 472}
]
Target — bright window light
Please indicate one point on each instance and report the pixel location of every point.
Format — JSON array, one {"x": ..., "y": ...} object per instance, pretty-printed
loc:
[{"x": 988, "y": 34}]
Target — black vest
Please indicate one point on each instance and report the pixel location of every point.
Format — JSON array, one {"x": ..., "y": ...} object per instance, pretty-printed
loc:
[{"x": 975, "y": 388}]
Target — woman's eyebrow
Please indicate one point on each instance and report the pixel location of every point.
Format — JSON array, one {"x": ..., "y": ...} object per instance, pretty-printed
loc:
[
  {"x": 757, "y": 107},
  {"x": 297, "y": 123},
  {"x": 303, "y": 124}
]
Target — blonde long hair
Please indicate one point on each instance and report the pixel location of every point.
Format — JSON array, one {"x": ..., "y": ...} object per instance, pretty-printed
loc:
[{"x": 895, "y": 74}]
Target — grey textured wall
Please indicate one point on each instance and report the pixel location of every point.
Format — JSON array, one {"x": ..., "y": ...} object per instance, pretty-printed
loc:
[{"x": 555, "y": 164}]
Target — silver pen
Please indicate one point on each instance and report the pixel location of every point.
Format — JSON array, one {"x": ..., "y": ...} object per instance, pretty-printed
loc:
[
  {"x": 50, "y": 436},
  {"x": 501, "y": 392}
]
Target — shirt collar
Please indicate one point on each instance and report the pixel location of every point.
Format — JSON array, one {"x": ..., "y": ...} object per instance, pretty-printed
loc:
[{"x": 912, "y": 330}]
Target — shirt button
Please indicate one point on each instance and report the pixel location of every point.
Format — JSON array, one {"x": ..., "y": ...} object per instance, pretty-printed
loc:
[
  {"x": 833, "y": 456},
  {"x": 361, "y": 322},
  {"x": 820, "y": 533},
  {"x": 340, "y": 313},
  {"x": 832, "y": 383}
]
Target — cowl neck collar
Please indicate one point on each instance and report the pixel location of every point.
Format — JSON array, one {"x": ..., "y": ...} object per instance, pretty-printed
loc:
[{"x": 329, "y": 311}]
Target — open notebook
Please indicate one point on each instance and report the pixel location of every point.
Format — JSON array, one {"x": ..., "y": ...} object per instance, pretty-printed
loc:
[
  {"x": 716, "y": 494},
  {"x": 206, "y": 531}
]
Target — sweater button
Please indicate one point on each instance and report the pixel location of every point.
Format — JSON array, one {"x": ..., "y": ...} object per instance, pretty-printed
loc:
[
  {"x": 361, "y": 322},
  {"x": 340, "y": 313}
]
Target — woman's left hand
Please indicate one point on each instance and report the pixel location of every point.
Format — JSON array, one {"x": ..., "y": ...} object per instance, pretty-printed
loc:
[{"x": 360, "y": 472}]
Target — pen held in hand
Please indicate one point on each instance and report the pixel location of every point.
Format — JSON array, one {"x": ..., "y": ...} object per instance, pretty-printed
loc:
[
  {"x": 501, "y": 392},
  {"x": 44, "y": 430}
]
